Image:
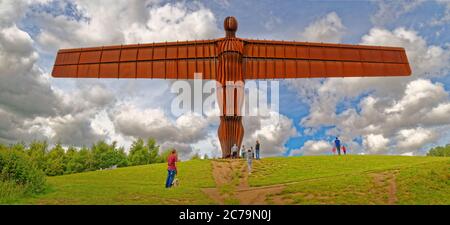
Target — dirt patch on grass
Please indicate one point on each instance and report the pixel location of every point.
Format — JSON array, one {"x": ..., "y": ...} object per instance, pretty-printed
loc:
[
  {"x": 222, "y": 172},
  {"x": 384, "y": 188},
  {"x": 231, "y": 177},
  {"x": 258, "y": 196},
  {"x": 214, "y": 194}
]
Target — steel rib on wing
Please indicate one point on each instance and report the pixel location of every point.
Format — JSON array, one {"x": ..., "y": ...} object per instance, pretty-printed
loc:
[
  {"x": 170, "y": 60},
  {"x": 283, "y": 60}
]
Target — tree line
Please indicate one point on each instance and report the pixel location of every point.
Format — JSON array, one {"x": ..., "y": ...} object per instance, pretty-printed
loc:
[
  {"x": 440, "y": 151},
  {"x": 58, "y": 161},
  {"x": 23, "y": 168}
]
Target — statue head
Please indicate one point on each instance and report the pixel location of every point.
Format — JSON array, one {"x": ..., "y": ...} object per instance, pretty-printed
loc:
[{"x": 230, "y": 25}]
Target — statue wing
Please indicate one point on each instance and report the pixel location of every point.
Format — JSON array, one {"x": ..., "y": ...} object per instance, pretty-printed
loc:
[
  {"x": 281, "y": 60},
  {"x": 169, "y": 60}
]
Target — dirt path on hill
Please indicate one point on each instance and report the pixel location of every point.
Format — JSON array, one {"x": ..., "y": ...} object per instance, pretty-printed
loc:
[
  {"x": 231, "y": 177},
  {"x": 385, "y": 187}
]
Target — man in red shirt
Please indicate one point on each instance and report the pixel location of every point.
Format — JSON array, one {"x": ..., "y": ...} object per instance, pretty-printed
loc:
[{"x": 171, "y": 168}]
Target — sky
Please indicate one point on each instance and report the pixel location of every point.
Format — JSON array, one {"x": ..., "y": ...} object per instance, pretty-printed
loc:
[{"x": 399, "y": 116}]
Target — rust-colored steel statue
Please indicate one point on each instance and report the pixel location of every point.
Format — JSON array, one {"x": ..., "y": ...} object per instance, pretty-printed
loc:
[{"x": 231, "y": 59}]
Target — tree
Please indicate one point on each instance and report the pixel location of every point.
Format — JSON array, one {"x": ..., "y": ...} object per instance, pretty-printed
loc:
[
  {"x": 85, "y": 158},
  {"x": 440, "y": 151},
  {"x": 38, "y": 152},
  {"x": 139, "y": 153},
  {"x": 16, "y": 168},
  {"x": 153, "y": 151},
  {"x": 121, "y": 158},
  {"x": 106, "y": 155},
  {"x": 55, "y": 161},
  {"x": 74, "y": 161}
]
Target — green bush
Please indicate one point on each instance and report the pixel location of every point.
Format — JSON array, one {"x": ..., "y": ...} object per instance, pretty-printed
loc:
[
  {"x": 440, "y": 151},
  {"x": 16, "y": 167},
  {"x": 10, "y": 191}
]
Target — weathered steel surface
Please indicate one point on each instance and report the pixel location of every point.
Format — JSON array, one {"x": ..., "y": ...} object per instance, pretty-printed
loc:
[
  {"x": 230, "y": 97},
  {"x": 282, "y": 60},
  {"x": 231, "y": 59},
  {"x": 171, "y": 60}
]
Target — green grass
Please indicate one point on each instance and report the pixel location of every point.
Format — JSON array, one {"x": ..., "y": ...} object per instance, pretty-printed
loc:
[
  {"x": 130, "y": 185},
  {"x": 309, "y": 180},
  {"x": 279, "y": 170},
  {"x": 10, "y": 192},
  {"x": 351, "y": 179},
  {"x": 425, "y": 184}
]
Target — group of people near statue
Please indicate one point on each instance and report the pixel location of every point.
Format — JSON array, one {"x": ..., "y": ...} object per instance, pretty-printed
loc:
[{"x": 247, "y": 153}]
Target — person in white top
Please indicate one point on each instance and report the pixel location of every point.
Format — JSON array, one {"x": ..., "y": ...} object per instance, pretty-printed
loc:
[
  {"x": 234, "y": 151},
  {"x": 243, "y": 151},
  {"x": 249, "y": 161}
]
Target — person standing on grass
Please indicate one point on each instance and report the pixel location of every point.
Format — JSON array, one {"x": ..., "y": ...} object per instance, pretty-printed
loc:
[
  {"x": 344, "y": 149},
  {"x": 171, "y": 168},
  {"x": 337, "y": 144},
  {"x": 257, "y": 149},
  {"x": 243, "y": 151},
  {"x": 249, "y": 161},
  {"x": 234, "y": 150}
]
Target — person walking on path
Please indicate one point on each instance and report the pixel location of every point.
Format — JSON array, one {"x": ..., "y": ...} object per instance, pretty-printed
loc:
[
  {"x": 249, "y": 161},
  {"x": 234, "y": 151},
  {"x": 257, "y": 149},
  {"x": 243, "y": 151},
  {"x": 337, "y": 144},
  {"x": 171, "y": 168}
]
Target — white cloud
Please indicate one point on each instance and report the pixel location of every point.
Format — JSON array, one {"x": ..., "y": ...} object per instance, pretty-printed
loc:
[
  {"x": 326, "y": 29},
  {"x": 174, "y": 22},
  {"x": 390, "y": 11},
  {"x": 419, "y": 94},
  {"x": 313, "y": 148},
  {"x": 12, "y": 10},
  {"x": 272, "y": 131},
  {"x": 439, "y": 114},
  {"x": 408, "y": 154},
  {"x": 375, "y": 143},
  {"x": 125, "y": 22},
  {"x": 412, "y": 139},
  {"x": 132, "y": 121}
]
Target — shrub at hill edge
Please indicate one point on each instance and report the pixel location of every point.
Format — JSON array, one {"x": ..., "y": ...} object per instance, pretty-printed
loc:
[{"x": 18, "y": 175}]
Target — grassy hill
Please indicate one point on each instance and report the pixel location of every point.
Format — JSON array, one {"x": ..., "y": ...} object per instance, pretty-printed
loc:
[
  {"x": 280, "y": 180},
  {"x": 357, "y": 179}
]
